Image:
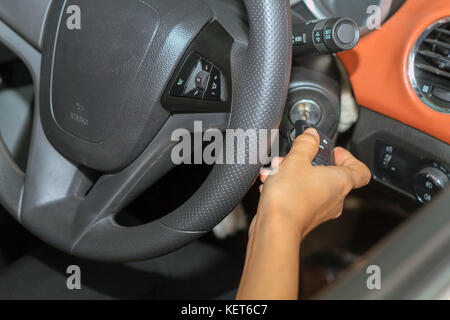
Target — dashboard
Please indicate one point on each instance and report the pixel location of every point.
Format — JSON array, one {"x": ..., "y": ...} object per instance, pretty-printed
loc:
[
  {"x": 400, "y": 76},
  {"x": 379, "y": 68}
]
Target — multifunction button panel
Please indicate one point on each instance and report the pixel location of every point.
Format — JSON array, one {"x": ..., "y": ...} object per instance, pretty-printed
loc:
[
  {"x": 202, "y": 81},
  {"x": 198, "y": 79}
]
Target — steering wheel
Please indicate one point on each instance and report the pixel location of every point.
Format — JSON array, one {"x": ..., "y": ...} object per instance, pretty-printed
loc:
[{"x": 106, "y": 75}]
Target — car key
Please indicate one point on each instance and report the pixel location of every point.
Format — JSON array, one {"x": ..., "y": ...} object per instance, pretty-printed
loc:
[{"x": 325, "y": 156}]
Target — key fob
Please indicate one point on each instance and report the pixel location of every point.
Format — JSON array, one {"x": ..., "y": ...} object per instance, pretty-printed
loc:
[{"x": 325, "y": 156}]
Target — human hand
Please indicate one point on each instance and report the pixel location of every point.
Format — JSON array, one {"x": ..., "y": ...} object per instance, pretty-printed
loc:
[{"x": 301, "y": 196}]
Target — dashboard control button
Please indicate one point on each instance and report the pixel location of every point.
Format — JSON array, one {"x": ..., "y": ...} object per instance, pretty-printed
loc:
[
  {"x": 194, "y": 93},
  {"x": 179, "y": 85},
  {"x": 396, "y": 167},
  {"x": 201, "y": 80},
  {"x": 214, "y": 90},
  {"x": 345, "y": 33},
  {"x": 387, "y": 160},
  {"x": 299, "y": 39},
  {"x": 206, "y": 65},
  {"x": 191, "y": 90},
  {"x": 318, "y": 36}
]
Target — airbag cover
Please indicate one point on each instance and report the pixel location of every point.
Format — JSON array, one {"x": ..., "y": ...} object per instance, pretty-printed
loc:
[
  {"x": 94, "y": 70},
  {"x": 101, "y": 86}
]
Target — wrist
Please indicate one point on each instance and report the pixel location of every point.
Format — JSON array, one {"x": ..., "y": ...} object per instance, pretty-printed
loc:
[{"x": 277, "y": 224}]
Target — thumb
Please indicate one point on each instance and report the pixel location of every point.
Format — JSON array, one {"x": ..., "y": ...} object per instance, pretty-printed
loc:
[{"x": 306, "y": 145}]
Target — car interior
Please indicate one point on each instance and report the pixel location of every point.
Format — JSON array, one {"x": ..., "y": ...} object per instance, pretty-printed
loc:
[{"x": 87, "y": 108}]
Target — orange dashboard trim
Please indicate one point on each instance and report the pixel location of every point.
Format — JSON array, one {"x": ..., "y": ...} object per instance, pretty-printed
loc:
[{"x": 378, "y": 68}]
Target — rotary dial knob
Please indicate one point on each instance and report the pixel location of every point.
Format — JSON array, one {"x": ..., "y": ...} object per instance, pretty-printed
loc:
[{"x": 429, "y": 182}]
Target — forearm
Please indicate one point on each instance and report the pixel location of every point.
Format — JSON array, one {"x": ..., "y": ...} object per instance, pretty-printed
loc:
[
  {"x": 295, "y": 199},
  {"x": 272, "y": 262}
]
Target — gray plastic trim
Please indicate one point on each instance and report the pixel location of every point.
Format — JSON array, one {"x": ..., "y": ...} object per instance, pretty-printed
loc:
[
  {"x": 27, "y": 18},
  {"x": 372, "y": 126},
  {"x": 15, "y": 120},
  {"x": 11, "y": 177},
  {"x": 57, "y": 209},
  {"x": 414, "y": 260}
]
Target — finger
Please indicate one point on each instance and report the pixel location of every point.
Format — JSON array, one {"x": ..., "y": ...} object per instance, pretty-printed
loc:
[
  {"x": 306, "y": 145},
  {"x": 263, "y": 174},
  {"x": 276, "y": 161},
  {"x": 344, "y": 158},
  {"x": 341, "y": 156},
  {"x": 357, "y": 172},
  {"x": 261, "y": 188}
]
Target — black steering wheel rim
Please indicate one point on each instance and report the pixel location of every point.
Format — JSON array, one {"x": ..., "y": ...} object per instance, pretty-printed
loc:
[{"x": 63, "y": 214}]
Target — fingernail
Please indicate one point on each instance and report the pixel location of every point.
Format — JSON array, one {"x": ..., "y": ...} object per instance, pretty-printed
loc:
[{"x": 312, "y": 131}]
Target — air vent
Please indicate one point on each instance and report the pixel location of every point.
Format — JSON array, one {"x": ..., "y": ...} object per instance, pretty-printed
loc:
[{"x": 429, "y": 66}]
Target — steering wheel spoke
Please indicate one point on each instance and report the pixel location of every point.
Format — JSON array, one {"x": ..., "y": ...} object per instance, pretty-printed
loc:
[
  {"x": 63, "y": 202},
  {"x": 112, "y": 192},
  {"x": 54, "y": 187}
]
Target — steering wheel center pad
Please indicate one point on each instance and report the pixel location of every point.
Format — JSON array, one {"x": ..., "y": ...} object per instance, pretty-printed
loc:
[{"x": 101, "y": 85}]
